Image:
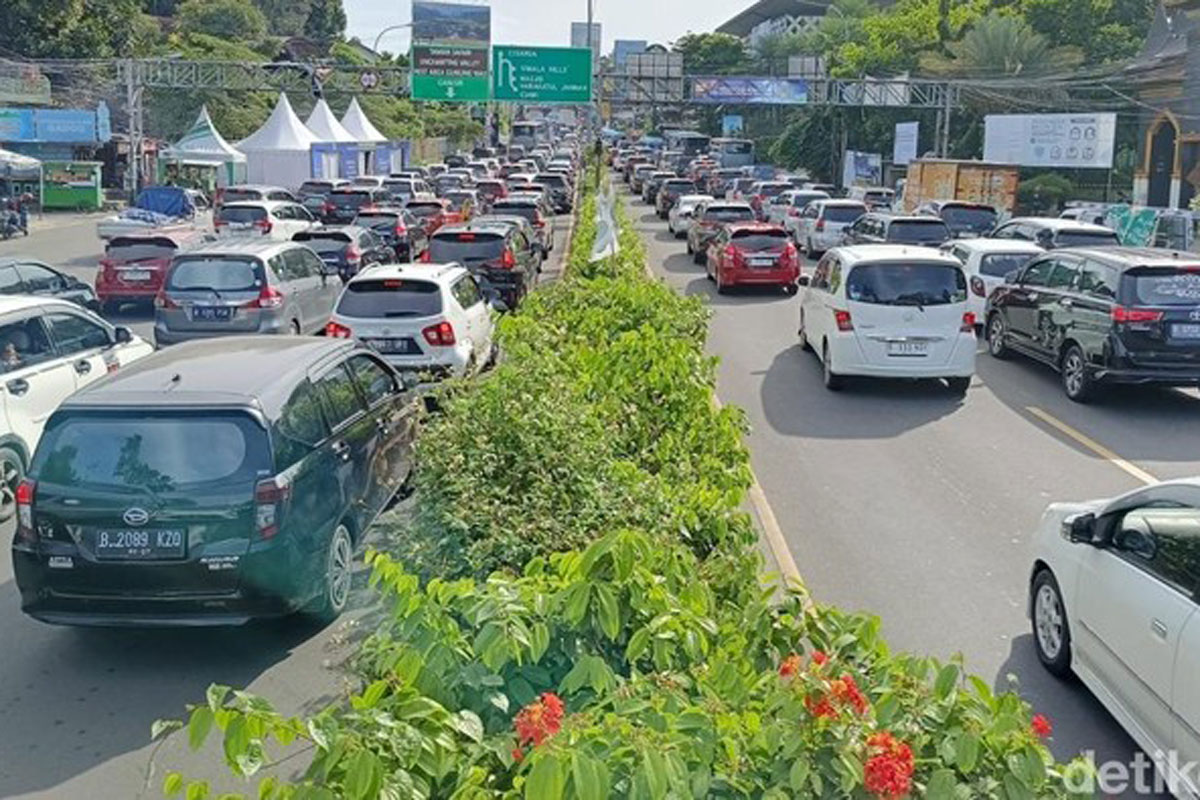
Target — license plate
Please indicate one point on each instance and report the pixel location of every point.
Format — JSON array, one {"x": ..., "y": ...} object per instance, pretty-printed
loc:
[
  {"x": 135, "y": 274},
  {"x": 138, "y": 545},
  {"x": 1185, "y": 331},
  {"x": 212, "y": 313},
  {"x": 761, "y": 262},
  {"x": 399, "y": 347},
  {"x": 908, "y": 348}
]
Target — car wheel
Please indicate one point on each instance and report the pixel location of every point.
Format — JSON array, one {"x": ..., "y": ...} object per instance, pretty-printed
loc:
[
  {"x": 699, "y": 257},
  {"x": 996, "y": 333},
  {"x": 833, "y": 381},
  {"x": 690, "y": 251},
  {"x": 1077, "y": 383},
  {"x": 1051, "y": 633},
  {"x": 338, "y": 575},
  {"x": 790, "y": 289},
  {"x": 12, "y": 472},
  {"x": 295, "y": 327},
  {"x": 802, "y": 335},
  {"x": 958, "y": 386}
]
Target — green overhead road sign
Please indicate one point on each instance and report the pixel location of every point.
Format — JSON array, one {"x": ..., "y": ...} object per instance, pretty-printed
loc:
[
  {"x": 450, "y": 51},
  {"x": 541, "y": 74}
]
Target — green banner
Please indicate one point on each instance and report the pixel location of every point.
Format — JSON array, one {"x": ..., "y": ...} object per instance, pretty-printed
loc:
[{"x": 541, "y": 74}]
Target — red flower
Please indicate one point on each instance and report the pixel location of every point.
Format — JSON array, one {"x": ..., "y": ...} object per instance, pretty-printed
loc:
[
  {"x": 820, "y": 707},
  {"x": 790, "y": 666},
  {"x": 1041, "y": 726},
  {"x": 539, "y": 720},
  {"x": 819, "y": 658},
  {"x": 517, "y": 755},
  {"x": 846, "y": 691},
  {"x": 889, "y": 768}
]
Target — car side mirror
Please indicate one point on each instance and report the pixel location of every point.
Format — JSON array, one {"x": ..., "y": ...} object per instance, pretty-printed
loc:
[
  {"x": 409, "y": 380},
  {"x": 1080, "y": 528},
  {"x": 499, "y": 305},
  {"x": 1012, "y": 277},
  {"x": 122, "y": 335},
  {"x": 803, "y": 280}
]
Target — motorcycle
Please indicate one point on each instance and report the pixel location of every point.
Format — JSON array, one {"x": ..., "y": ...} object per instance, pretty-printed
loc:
[{"x": 10, "y": 226}]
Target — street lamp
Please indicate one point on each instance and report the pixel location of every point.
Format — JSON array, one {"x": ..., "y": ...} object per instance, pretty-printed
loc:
[{"x": 387, "y": 29}]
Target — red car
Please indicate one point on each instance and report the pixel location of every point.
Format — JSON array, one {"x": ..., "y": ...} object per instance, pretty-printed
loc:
[
  {"x": 753, "y": 253},
  {"x": 433, "y": 213},
  {"x": 134, "y": 265}
]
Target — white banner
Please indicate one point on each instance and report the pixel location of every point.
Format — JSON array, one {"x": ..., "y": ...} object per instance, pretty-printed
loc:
[
  {"x": 904, "y": 149},
  {"x": 1050, "y": 140}
]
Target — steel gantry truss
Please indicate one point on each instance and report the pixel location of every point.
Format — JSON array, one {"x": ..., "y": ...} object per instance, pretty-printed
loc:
[{"x": 286, "y": 76}]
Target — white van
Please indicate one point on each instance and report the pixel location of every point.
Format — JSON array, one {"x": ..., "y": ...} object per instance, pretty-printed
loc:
[
  {"x": 889, "y": 311},
  {"x": 986, "y": 262}
]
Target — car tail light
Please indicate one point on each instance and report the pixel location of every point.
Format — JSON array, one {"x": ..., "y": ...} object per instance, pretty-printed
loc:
[
  {"x": 336, "y": 330},
  {"x": 731, "y": 253},
  {"x": 263, "y": 225},
  {"x": 401, "y": 230},
  {"x": 269, "y": 297},
  {"x": 270, "y": 497},
  {"x": 977, "y": 287},
  {"x": 793, "y": 212},
  {"x": 842, "y": 318},
  {"x": 968, "y": 322},
  {"x": 327, "y": 208},
  {"x": 820, "y": 225},
  {"x": 440, "y": 335},
  {"x": 426, "y": 257},
  {"x": 789, "y": 255},
  {"x": 353, "y": 255},
  {"x": 219, "y": 223},
  {"x": 1126, "y": 316},
  {"x": 25, "y": 492},
  {"x": 507, "y": 260},
  {"x": 163, "y": 300}
]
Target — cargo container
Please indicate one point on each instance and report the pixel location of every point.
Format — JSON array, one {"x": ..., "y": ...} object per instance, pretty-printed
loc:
[{"x": 971, "y": 181}]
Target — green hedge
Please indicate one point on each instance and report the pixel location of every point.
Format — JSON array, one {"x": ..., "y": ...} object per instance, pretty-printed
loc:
[{"x": 581, "y": 613}]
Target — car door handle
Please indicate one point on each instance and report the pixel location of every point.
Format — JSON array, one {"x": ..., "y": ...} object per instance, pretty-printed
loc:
[
  {"x": 342, "y": 450},
  {"x": 1159, "y": 628},
  {"x": 17, "y": 386},
  {"x": 83, "y": 366}
]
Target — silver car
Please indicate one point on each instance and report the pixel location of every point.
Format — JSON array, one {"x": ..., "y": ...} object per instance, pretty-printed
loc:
[{"x": 243, "y": 287}]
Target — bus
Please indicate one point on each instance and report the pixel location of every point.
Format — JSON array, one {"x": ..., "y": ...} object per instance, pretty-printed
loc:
[
  {"x": 529, "y": 133},
  {"x": 733, "y": 152},
  {"x": 690, "y": 143}
]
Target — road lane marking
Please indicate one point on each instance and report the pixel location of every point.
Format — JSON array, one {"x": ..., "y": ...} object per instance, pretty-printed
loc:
[{"x": 1091, "y": 444}]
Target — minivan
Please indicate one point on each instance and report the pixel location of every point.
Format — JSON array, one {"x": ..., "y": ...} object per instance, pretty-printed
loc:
[
  {"x": 211, "y": 484},
  {"x": 499, "y": 256}
]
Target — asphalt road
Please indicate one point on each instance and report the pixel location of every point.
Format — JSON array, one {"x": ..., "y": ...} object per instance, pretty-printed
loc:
[
  {"x": 899, "y": 499},
  {"x": 76, "y": 705}
]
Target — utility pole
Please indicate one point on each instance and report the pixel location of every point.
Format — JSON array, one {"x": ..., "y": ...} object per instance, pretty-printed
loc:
[{"x": 133, "y": 106}]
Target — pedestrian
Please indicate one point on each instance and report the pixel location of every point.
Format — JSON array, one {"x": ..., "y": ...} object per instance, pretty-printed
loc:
[{"x": 23, "y": 212}]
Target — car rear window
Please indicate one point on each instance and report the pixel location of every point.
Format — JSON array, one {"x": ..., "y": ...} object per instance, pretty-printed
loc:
[
  {"x": 350, "y": 199},
  {"x": 399, "y": 187},
  {"x": 232, "y": 274},
  {"x": 772, "y": 189},
  {"x": 1164, "y": 286},
  {"x": 152, "y": 452},
  {"x": 424, "y": 209},
  {"x": 377, "y": 221},
  {"x": 325, "y": 243},
  {"x": 975, "y": 219},
  {"x": 878, "y": 197},
  {"x": 241, "y": 214},
  {"x": 466, "y": 246},
  {"x": 131, "y": 250},
  {"x": 316, "y": 187},
  {"x": 843, "y": 213},
  {"x": 728, "y": 214},
  {"x": 906, "y": 284},
  {"x": 759, "y": 240},
  {"x": 997, "y": 265},
  {"x": 1069, "y": 238},
  {"x": 390, "y": 298},
  {"x": 528, "y": 211},
  {"x": 238, "y": 195},
  {"x": 918, "y": 231},
  {"x": 682, "y": 187},
  {"x": 801, "y": 200},
  {"x": 557, "y": 181}
]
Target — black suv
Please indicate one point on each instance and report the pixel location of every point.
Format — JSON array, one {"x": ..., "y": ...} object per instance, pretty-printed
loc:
[
  {"x": 349, "y": 248},
  {"x": 965, "y": 219},
  {"x": 213, "y": 483},
  {"x": 669, "y": 193},
  {"x": 880, "y": 228},
  {"x": 653, "y": 183},
  {"x": 399, "y": 228},
  {"x": 346, "y": 203},
  {"x": 561, "y": 193},
  {"x": 503, "y": 261},
  {"x": 1052, "y": 232},
  {"x": 1121, "y": 315}
]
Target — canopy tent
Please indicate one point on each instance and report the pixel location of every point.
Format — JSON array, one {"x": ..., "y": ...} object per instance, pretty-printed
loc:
[
  {"x": 325, "y": 126},
  {"x": 359, "y": 126},
  {"x": 16, "y": 167},
  {"x": 278, "y": 153},
  {"x": 204, "y": 144},
  {"x": 377, "y": 154}
]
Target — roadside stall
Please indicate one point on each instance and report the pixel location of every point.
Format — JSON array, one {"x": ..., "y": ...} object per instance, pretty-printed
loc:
[
  {"x": 72, "y": 185},
  {"x": 19, "y": 174},
  {"x": 336, "y": 140},
  {"x": 375, "y": 155},
  {"x": 202, "y": 159}
]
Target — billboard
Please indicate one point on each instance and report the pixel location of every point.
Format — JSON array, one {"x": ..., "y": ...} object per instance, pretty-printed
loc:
[
  {"x": 732, "y": 125},
  {"x": 861, "y": 169},
  {"x": 541, "y": 74},
  {"x": 1050, "y": 140},
  {"x": 749, "y": 91},
  {"x": 450, "y": 44},
  {"x": 904, "y": 149},
  {"x": 624, "y": 48}
]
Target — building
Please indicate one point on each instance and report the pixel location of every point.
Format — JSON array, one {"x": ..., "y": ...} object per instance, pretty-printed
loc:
[
  {"x": 774, "y": 17},
  {"x": 579, "y": 39}
]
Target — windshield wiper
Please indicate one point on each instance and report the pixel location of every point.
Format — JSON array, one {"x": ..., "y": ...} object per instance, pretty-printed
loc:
[{"x": 911, "y": 299}]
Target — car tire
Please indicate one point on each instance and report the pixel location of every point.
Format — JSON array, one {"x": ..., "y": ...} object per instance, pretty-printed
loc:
[
  {"x": 699, "y": 257},
  {"x": 690, "y": 251},
  {"x": 996, "y": 331},
  {"x": 802, "y": 335},
  {"x": 336, "y": 577},
  {"x": 790, "y": 289},
  {"x": 833, "y": 382},
  {"x": 295, "y": 327},
  {"x": 958, "y": 386},
  {"x": 1051, "y": 631},
  {"x": 12, "y": 472},
  {"x": 811, "y": 251},
  {"x": 1079, "y": 386}
]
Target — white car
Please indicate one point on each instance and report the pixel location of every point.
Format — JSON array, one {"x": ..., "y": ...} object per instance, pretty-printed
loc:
[
  {"x": 821, "y": 223},
  {"x": 273, "y": 219},
  {"x": 1112, "y": 600},
  {"x": 889, "y": 311},
  {"x": 986, "y": 262},
  {"x": 680, "y": 215},
  {"x": 48, "y": 349},
  {"x": 422, "y": 317},
  {"x": 785, "y": 209}
]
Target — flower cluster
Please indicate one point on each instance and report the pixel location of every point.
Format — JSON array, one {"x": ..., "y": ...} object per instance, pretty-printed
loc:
[
  {"x": 790, "y": 666},
  {"x": 537, "y": 722},
  {"x": 1041, "y": 726},
  {"x": 889, "y": 768},
  {"x": 841, "y": 694}
]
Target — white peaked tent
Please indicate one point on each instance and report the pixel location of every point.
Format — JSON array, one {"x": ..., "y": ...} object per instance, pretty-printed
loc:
[
  {"x": 279, "y": 153},
  {"x": 325, "y": 126},
  {"x": 204, "y": 144},
  {"x": 356, "y": 122},
  {"x": 373, "y": 156}
]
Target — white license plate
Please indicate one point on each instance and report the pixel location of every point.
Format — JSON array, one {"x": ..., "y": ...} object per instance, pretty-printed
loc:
[
  {"x": 761, "y": 262},
  {"x": 135, "y": 274},
  {"x": 1185, "y": 331},
  {"x": 908, "y": 348}
]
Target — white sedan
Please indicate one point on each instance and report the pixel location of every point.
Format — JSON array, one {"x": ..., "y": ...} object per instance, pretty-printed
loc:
[
  {"x": 680, "y": 215},
  {"x": 1112, "y": 596}
]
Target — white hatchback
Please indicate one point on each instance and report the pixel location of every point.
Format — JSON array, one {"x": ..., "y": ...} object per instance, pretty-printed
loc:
[
  {"x": 430, "y": 318},
  {"x": 822, "y": 222},
  {"x": 49, "y": 349},
  {"x": 680, "y": 215},
  {"x": 1112, "y": 598},
  {"x": 986, "y": 262},
  {"x": 275, "y": 219},
  {"x": 889, "y": 311}
]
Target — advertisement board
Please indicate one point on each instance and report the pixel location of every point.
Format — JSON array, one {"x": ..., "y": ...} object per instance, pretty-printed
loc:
[
  {"x": 750, "y": 91},
  {"x": 541, "y": 74},
  {"x": 861, "y": 169},
  {"x": 732, "y": 125},
  {"x": 449, "y": 57},
  {"x": 1050, "y": 140},
  {"x": 904, "y": 148}
]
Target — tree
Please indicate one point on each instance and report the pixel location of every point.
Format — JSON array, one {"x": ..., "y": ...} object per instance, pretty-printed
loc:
[
  {"x": 1000, "y": 45},
  {"x": 772, "y": 51},
  {"x": 285, "y": 17},
  {"x": 1105, "y": 30},
  {"x": 326, "y": 21},
  {"x": 70, "y": 28},
  {"x": 235, "y": 20},
  {"x": 712, "y": 53}
]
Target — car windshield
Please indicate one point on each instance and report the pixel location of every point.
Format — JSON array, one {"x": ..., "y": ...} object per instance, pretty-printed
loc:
[
  {"x": 466, "y": 247},
  {"x": 759, "y": 240},
  {"x": 153, "y": 453},
  {"x": 217, "y": 274},
  {"x": 997, "y": 265},
  {"x": 843, "y": 213},
  {"x": 905, "y": 284},
  {"x": 128, "y": 251},
  {"x": 325, "y": 243},
  {"x": 918, "y": 231},
  {"x": 387, "y": 298},
  {"x": 969, "y": 218},
  {"x": 1164, "y": 286},
  {"x": 1070, "y": 238},
  {"x": 349, "y": 199},
  {"x": 241, "y": 215}
]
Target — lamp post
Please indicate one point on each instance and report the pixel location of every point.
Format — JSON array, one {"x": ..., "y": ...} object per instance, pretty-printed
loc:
[{"x": 386, "y": 30}]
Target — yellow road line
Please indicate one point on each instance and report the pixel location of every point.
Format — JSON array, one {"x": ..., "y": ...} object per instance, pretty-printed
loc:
[{"x": 1093, "y": 445}]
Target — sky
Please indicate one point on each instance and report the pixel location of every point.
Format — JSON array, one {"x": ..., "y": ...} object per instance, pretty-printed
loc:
[{"x": 548, "y": 22}]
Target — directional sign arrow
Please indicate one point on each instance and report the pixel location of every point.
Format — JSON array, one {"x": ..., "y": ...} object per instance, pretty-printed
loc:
[{"x": 450, "y": 92}]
